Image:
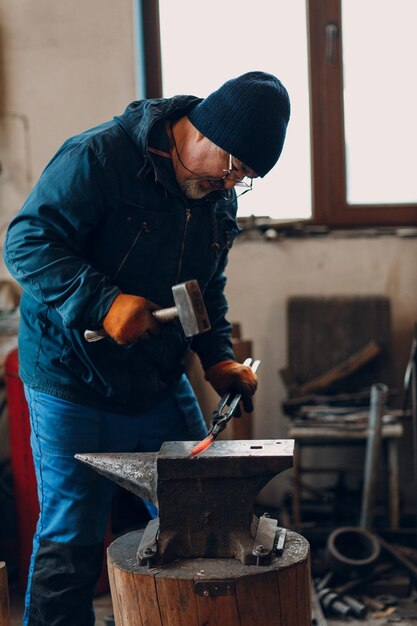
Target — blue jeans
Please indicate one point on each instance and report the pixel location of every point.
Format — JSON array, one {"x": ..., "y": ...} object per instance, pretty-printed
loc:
[{"x": 75, "y": 501}]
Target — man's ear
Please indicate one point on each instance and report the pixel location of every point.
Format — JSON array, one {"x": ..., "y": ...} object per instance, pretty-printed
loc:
[{"x": 198, "y": 136}]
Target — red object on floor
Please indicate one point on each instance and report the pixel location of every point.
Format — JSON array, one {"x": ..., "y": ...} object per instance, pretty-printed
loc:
[
  {"x": 23, "y": 472},
  {"x": 24, "y": 481}
]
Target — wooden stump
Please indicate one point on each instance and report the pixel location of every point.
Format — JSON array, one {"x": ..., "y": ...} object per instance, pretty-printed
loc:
[
  {"x": 210, "y": 592},
  {"x": 4, "y": 596}
]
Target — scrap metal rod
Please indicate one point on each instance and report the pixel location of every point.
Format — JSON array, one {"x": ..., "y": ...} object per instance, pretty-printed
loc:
[{"x": 379, "y": 393}]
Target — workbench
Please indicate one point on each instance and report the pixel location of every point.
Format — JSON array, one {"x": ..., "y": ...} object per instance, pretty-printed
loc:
[{"x": 321, "y": 436}]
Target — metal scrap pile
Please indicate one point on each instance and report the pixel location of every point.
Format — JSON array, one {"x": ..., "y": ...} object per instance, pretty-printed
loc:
[{"x": 369, "y": 578}]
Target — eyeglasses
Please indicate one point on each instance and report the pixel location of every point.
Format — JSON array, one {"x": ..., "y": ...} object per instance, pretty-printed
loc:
[
  {"x": 231, "y": 174},
  {"x": 218, "y": 182}
]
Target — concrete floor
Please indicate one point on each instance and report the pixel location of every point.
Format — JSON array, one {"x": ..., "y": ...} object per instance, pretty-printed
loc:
[{"x": 103, "y": 609}]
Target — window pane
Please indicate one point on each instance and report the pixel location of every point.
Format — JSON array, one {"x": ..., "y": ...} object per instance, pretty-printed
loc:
[
  {"x": 380, "y": 100},
  {"x": 203, "y": 46}
]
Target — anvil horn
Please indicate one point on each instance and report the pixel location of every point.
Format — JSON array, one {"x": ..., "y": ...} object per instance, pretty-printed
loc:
[{"x": 136, "y": 472}]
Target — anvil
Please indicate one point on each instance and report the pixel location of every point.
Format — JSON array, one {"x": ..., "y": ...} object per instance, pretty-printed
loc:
[{"x": 205, "y": 503}]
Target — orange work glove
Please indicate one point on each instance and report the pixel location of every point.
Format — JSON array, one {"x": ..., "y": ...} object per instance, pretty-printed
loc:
[
  {"x": 231, "y": 377},
  {"x": 130, "y": 318}
]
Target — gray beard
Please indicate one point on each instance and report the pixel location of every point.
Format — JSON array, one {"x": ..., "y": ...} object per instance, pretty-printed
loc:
[{"x": 191, "y": 188}]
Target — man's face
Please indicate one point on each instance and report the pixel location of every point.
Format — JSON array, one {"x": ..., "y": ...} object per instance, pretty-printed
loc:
[{"x": 203, "y": 168}]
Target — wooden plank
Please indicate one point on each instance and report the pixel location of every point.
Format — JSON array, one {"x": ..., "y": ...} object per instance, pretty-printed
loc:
[
  {"x": 177, "y": 601},
  {"x": 4, "y": 596},
  {"x": 287, "y": 580},
  {"x": 258, "y": 600},
  {"x": 322, "y": 435},
  {"x": 347, "y": 367},
  {"x": 128, "y": 613},
  {"x": 147, "y": 600},
  {"x": 218, "y": 611},
  {"x": 114, "y": 594},
  {"x": 135, "y": 599},
  {"x": 294, "y": 596},
  {"x": 303, "y": 592},
  {"x": 324, "y": 331}
]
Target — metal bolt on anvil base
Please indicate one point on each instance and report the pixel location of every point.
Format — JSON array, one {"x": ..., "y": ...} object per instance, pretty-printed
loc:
[{"x": 206, "y": 502}]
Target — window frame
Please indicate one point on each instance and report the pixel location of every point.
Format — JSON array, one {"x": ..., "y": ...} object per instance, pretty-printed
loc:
[
  {"x": 152, "y": 61},
  {"x": 328, "y": 180},
  {"x": 330, "y": 206}
]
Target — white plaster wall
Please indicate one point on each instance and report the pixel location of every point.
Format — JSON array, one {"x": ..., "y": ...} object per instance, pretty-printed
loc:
[
  {"x": 64, "y": 67},
  {"x": 263, "y": 275}
]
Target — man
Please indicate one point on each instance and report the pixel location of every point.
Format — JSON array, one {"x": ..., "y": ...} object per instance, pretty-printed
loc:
[{"x": 123, "y": 212}]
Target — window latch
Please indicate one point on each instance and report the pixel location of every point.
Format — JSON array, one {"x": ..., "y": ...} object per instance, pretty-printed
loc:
[{"x": 331, "y": 36}]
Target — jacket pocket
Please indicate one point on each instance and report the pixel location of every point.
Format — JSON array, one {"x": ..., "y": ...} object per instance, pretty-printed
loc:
[
  {"x": 109, "y": 379},
  {"x": 140, "y": 237},
  {"x": 143, "y": 229},
  {"x": 227, "y": 230}
]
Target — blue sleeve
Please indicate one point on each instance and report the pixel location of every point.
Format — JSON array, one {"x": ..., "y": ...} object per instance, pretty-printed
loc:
[{"x": 46, "y": 243}]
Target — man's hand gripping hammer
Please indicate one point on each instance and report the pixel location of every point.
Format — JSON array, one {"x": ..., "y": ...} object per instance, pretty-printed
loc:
[{"x": 189, "y": 309}]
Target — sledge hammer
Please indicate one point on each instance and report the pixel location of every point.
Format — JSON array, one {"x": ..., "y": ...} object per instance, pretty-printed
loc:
[{"x": 189, "y": 308}]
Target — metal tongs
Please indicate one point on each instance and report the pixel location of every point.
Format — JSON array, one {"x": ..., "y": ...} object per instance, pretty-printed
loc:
[{"x": 222, "y": 414}]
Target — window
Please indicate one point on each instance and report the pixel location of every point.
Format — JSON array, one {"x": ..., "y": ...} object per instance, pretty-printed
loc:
[
  {"x": 380, "y": 103},
  {"x": 364, "y": 97},
  {"x": 203, "y": 47},
  {"x": 348, "y": 66}
]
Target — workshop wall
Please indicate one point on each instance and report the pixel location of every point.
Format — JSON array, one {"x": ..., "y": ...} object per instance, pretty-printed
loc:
[
  {"x": 64, "y": 67},
  {"x": 262, "y": 275}
]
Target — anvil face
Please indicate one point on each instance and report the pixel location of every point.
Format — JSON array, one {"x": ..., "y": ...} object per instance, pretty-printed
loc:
[
  {"x": 205, "y": 502},
  {"x": 225, "y": 458}
]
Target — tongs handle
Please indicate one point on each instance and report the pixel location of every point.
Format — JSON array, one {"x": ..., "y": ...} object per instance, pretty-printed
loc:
[{"x": 220, "y": 419}]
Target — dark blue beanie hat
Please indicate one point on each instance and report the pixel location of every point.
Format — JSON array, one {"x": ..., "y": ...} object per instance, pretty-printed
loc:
[{"x": 247, "y": 117}]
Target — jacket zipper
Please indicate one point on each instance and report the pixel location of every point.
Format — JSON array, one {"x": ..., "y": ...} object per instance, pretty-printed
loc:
[
  {"x": 143, "y": 227},
  {"x": 184, "y": 236}
]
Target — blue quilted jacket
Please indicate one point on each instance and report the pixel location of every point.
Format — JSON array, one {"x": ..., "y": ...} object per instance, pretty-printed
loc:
[{"x": 105, "y": 217}]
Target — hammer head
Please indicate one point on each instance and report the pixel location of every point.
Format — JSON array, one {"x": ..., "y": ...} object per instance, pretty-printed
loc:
[{"x": 191, "y": 309}]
